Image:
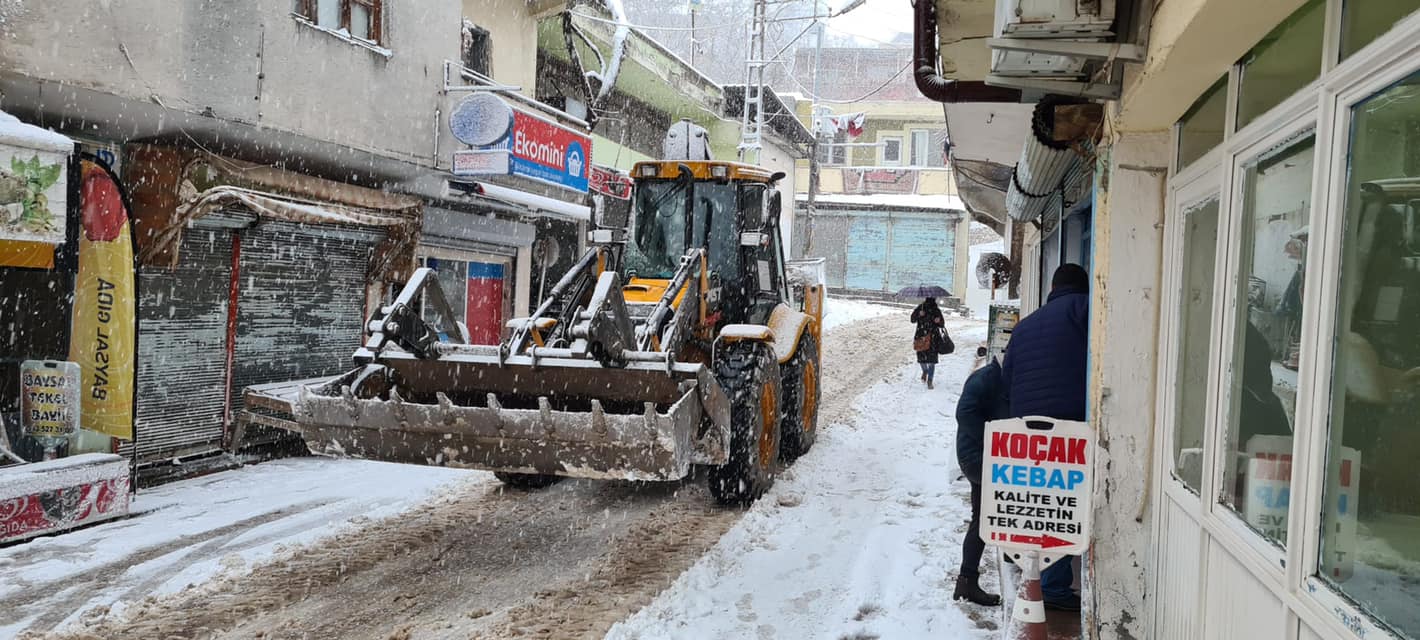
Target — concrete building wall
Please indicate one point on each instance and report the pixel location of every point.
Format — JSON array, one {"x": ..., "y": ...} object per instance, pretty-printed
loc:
[
  {"x": 514, "y": 34},
  {"x": 777, "y": 156},
  {"x": 1124, "y": 310},
  {"x": 247, "y": 62}
]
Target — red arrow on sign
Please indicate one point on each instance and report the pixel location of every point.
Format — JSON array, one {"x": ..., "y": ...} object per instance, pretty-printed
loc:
[{"x": 1046, "y": 541}]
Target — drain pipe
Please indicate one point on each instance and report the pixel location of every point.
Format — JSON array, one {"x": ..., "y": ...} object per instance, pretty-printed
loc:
[{"x": 924, "y": 65}]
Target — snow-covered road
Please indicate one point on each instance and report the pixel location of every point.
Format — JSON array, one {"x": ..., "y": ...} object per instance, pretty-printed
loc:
[
  {"x": 861, "y": 539},
  {"x": 186, "y": 532}
]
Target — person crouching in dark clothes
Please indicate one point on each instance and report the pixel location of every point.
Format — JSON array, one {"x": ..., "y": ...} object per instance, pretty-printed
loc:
[
  {"x": 983, "y": 399},
  {"x": 928, "y": 318}
]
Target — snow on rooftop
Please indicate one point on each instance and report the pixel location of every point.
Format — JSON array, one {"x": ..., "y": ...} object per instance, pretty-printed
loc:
[
  {"x": 913, "y": 200},
  {"x": 14, "y": 132}
]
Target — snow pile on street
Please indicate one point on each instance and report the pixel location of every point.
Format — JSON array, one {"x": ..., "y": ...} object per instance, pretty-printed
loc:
[
  {"x": 838, "y": 312},
  {"x": 186, "y": 532},
  {"x": 860, "y": 539}
]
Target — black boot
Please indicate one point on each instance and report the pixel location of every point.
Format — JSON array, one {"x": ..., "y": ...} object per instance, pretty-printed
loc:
[{"x": 968, "y": 588}]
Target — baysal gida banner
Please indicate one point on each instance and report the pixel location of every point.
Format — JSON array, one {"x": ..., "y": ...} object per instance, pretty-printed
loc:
[{"x": 104, "y": 328}]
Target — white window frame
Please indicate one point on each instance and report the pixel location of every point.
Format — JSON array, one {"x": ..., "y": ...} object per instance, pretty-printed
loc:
[
  {"x": 883, "y": 151},
  {"x": 1324, "y": 106},
  {"x": 1182, "y": 198},
  {"x": 912, "y": 148}
]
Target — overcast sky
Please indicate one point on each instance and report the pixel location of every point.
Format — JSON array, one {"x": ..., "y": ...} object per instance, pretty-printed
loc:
[{"x": 876, "y": 20}]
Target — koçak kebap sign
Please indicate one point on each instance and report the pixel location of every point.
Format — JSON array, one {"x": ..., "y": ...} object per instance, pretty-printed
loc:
[
  {"x": 1037, "y": 475},
  {"x": 518, "y": 143}
]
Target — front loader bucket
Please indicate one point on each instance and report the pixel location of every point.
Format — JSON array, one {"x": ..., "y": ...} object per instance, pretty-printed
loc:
[{"x": 565, "y": 417}]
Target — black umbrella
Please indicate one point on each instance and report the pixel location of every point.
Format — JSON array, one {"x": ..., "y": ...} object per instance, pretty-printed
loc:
[{"x": 923, "y": 291}]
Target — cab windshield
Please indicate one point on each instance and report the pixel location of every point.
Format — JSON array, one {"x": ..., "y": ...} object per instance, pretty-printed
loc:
[{"x": 658, "y": 230}]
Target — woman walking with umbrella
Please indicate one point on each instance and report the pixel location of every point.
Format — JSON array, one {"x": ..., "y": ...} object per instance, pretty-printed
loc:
[{"x": 928, "y": 339}]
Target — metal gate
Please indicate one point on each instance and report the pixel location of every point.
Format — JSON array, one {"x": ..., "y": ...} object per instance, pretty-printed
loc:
[
  {"x": 888, "y": 251},
  {"x": 301, "y": 304},
  {"x": 867, "y": 253},
  {"x": 182, "y": 332},
  {"x": 922, "y": 251}
]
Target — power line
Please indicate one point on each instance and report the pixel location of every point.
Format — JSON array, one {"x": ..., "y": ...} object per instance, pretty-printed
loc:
[
  {"x": 861, "y": 98},
  {"x": 845, "y": 32},
  {"x": 644, "y": 27}
]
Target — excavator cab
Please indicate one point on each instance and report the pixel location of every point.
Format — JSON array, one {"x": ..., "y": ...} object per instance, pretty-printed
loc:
[
  {"x": 728, "y": 210},
  {"x": 672, "y": 342}
]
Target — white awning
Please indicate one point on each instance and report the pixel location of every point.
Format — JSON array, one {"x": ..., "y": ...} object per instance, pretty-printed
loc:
[
  {"x": 530, "y": 203},
  {"x": 16, "y": 133}
]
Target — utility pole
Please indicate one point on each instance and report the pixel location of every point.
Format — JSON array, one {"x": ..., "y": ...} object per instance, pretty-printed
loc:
[
  {"x": 752, "y": 120},
  {"x": 694, "y": 44},
  {"x": 811, "y": 206}
]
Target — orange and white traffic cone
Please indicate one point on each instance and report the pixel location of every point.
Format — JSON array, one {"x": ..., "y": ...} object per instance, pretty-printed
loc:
[{"x": 1028, "y": 614}]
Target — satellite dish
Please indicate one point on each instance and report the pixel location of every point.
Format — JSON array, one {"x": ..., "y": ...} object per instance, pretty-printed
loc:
[
  {"x": 481, "y": 120},
  {"x": 993, "y": 270}
]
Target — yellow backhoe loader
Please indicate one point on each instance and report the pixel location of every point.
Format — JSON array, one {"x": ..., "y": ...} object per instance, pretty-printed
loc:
[{"x": 675, "y": 341}]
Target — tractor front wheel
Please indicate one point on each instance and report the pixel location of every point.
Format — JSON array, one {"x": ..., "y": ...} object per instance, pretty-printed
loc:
[
  {"x": 801, "y": 400},
  {"x": 749, "y": 375}
]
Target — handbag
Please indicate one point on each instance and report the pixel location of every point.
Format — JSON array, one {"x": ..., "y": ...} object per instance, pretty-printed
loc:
[
  {"x": 922, "y": 342},
  {"x": 945, "y": 346}
]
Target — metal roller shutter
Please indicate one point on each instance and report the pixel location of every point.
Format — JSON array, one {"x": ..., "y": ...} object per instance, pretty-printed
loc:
[
  {"x": 922, "y": 251},
  {"x": 867, "y": 252},
  {"x": 302, "y": 302},
  {"x": 181, "y": 348}
]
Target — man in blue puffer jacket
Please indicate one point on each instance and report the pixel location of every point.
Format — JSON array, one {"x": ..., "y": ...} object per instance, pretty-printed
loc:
[{"x": 1045, "y": 372}]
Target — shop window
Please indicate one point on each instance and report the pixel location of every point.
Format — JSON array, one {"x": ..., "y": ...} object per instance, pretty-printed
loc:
[
  {"x": 450, "y": 274},
  {"x": 1365, "y": 20},
  {"x": 1286, "y": 60},
  {"x": 1200, "y": 244},
  {"x": 1371, "y": 503},
  {"x": 478, "y": 50},
  {"x": 360, "y": 18},
  {"x": 1257, "y": 449},
  {"x": 477, "y": 293},
  {"x": 1201, "y": 128},
  {"x": 892, "y": 150}
]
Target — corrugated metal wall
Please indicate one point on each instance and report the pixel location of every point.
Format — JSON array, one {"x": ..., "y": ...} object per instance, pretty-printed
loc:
[{"x": 883, "y": 250}]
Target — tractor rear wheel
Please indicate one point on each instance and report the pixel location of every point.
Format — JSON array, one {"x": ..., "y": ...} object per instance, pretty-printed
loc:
[
  {"x": 527, "y": 481},
  {"x": 801, "y": 400},
  {"x": 750, "y": 376}
]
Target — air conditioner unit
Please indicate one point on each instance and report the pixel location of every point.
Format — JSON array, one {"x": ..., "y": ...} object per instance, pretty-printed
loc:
[
  {"x": 1029, "y": 64},
  {"x": 1055, "y": 18}
]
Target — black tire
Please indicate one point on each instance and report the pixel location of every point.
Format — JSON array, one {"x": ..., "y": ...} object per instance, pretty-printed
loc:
[
  {"x": 802, "y": 395},
  {"x": 527, "y": 481},
  {"x": 748, "y": 372}
]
